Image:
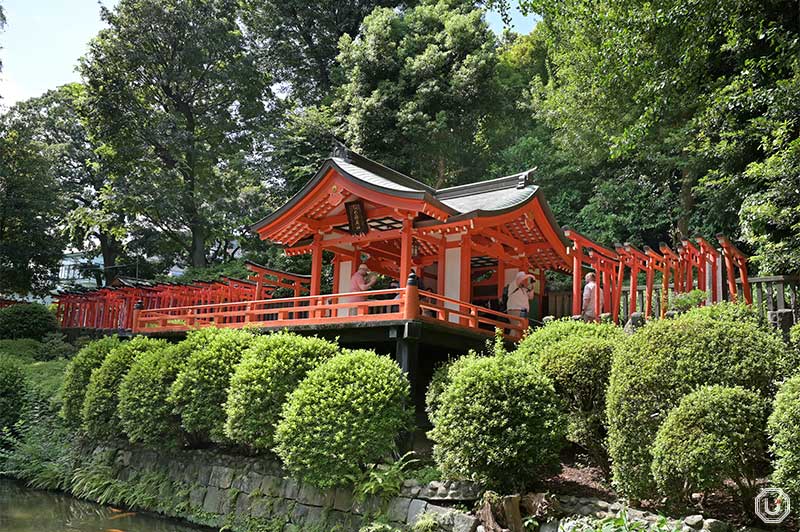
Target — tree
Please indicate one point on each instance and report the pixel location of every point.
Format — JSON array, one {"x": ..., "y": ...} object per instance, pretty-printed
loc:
[
  {"x": 176, "y": 95},
  {"x": 300, "y": 39},
  {"x": 83, "y": 174},
  {"x": 30, "y": 235},
  {"x": 418, "y": 85}
]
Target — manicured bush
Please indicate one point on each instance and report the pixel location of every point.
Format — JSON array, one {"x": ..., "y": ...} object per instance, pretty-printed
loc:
[
  {"x": 687, "y": 300},
  {"x": 99, "y": 411},
  {"x": 270, "y": 369},
  {"x": 441, "y": 378},
  {"x": 45, "y": 381},
  {"x": 784, "y": 431},
  {"x": 199, "y": 392},
  {"x": 726, "y": 311},
  {"x": 667, "y": 359},
  {"x": 77, "y": 376},
  {"x": 12, "y": 393},
  {"x": 533, "y": 344},
  {"x": 27, "y": 320},
  {"x": 346, "y": 414},
  {"x": 714, "y": 434},
  {"x": 21, "y": 349},
  {"x": 499, "y": 423},
  {"x": 579, "y": 369},
  {"x": 55, "y": 345}
]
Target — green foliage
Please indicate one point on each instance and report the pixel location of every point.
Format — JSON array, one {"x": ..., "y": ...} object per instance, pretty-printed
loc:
[
  {"x": 144, "y": 412},
  {"x": 199, "y": 392},
  {"x": 383, "y": 480},
  {"x": 498, "y": 423},
  {"x": 76, "y": 378},
  {"x": 27, "y": 320},
  {"x": 46, "y": 380},
  {"x": 270, "y": 369},
  {"x": 784, "y": 432},
  {"x": 55, "y": 346},
  {"x": 415, "y": 89},
  {"x": 667, "y": 359},
  {"x": 688, "y": 300},
  {"x": 442, "y": 376},
  {"x": 345, "y": 415},
  {"x": 726, "y": 311},
  {"x": 715, "y": 433},
  {"x": 556, "y": 331},
  {"x": 426, "y": 523},
  {"x": 23, "y": 349},
  {"x": 579, "y": 368},
  {"x": 99, "y": 411},
  {"x": 182, "y": 167},
  {"x": 12, "y": 393}
]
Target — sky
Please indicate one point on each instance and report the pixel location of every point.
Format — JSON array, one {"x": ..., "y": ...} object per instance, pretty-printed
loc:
[{"x": 44, "y": 39}]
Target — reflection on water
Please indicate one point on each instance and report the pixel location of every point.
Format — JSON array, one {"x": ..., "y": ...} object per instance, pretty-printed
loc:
[{"x": 27, "y": 510}]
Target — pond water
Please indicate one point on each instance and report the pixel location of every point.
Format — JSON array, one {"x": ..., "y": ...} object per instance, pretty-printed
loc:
[{"x": 26, "y": 510}]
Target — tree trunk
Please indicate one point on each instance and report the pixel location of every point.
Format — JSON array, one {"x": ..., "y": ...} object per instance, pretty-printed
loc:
[
  {"x": 198, "y": 257},
  {"x": 110, "y": 249}
]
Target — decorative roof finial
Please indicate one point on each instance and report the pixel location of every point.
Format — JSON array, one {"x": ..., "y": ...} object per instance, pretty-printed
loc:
[
  {"x": 525, "y": 178},
  {"x": 340, "y": 150}
]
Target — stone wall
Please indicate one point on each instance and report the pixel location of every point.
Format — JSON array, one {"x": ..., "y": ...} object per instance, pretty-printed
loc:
[{"x": 242, "y": 493}]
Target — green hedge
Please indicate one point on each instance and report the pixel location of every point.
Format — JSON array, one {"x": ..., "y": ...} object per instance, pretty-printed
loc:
[
  {"x": 201, "y": 388},
  {"x": 556, "y": 331},
  {"x": 99, "y": 410},
  {"x": 22, "y": 349},
  {"x": 77, "y": 376},
  {"x": 499, "y": 423},
  {"x": 715, "y": 434},
  {"x": 579, "y": 369},
  {"x": 441, "y": 379},
  {"x": 346, "y": 414},
  {"x": 28, "y": 320},
  {"x": 784, "y": 431},
  {"x": 12, "y": 392},
  {"x": 667, "y": 359},
  {"x": 270, "y": 369}
]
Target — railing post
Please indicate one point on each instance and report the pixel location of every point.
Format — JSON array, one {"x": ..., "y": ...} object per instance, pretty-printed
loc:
[
  {"x": 411, "y": 306},
  {"x": 137, "y": 307}
]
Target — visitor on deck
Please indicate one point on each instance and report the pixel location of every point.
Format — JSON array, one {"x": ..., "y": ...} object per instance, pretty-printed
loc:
[
  {"x": 520, "y": 291},
  {"x": 361, "y": 281},
  {"x": 589, "y": 298}
]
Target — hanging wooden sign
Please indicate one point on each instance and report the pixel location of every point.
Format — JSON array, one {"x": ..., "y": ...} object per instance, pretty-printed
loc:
[{"x": 356, "y": 217}]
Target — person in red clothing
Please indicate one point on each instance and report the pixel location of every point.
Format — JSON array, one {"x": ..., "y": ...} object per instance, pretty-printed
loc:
[{"x": 361, "y": 281}]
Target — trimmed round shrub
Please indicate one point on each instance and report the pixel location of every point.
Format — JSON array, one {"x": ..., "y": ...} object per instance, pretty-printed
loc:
[
  {"x": 270, "y": 369},
  {"x": 99, "y": 411},
  {"x": 714, "y": 434},
  {"x": 667, "y": 359},
  {"x": 22, "y": 349},
  {"x": 12, "y": 393},
  {"x": 579, "y": 369},
  {"x": 784, "y": 431},
  {"x": 27, "y": 320},
  {"x": 346, "y": 414},
  {"x": 727, "y": 311},
  {"x": 441, "y": 378},
  {"x": 201, "y": 388},
  {"x": 55, "y": 346},
  {"x": 499, "y": 423},
  {"x": 76, "y": 378},
  {"x": 555, "y": 331}
]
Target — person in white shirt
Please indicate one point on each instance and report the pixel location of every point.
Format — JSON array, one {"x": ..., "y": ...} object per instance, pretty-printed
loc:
[
  {"x": 519, "y": 295},
  {"x": 589, "y": 298}
]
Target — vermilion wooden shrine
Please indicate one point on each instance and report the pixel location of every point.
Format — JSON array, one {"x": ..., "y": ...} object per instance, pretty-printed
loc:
[{"x": 462, "y": 245}]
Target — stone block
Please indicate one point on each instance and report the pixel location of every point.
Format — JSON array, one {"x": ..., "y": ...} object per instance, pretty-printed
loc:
[
  {"x": 243, "y": 505},
  {"x": 444, "y": 516},
  {"x": 467, "y": 523},
  {"x": 261, "y": 507},
  {"x": 299, "y": 514},
  {"x": 370, "y": 506},
  {"x": 550, "y": 526},
  {"x": 272, "y": 486},
  {"x": 415, "y": 511},
  {"x": 398, "y": 509},
  {"x": 290, "y": 489},
  {"x": 343, "y": 500},
  {"x": 123, "y": 458},
  {"x": 221, "y": 477},
  {"x": 252, "y": 482},
  {"x": 315, "y": 515},
  {"x": 204, "y": 475},
  {"x": 229, "y": 497},
  {"x": 715, "y": 525},
  {"x": 410, "y": 489},
  {"x": 694, "y": 521},
  {"x": 213, "y": 500},
  {"x": 311, "y": 496},
  {"x": 196, "y": 496}
]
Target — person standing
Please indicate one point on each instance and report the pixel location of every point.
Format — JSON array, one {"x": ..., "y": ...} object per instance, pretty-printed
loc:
[
  {"x": 589, "y": 298},
  {"x": 519, "y": 296},
  {"x": 361, "y": 281}
]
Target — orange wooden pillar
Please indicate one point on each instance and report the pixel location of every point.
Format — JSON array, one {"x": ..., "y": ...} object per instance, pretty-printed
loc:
[
  {"x": 406, "y": 241},
  {"x": 577, "y": 281},
  {"x": 465, "y": 290}
]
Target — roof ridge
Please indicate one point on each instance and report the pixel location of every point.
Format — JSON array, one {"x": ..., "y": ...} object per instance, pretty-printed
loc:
[
  {"x": 384, "y": 171},
  {"x": 491, "y": 185}
]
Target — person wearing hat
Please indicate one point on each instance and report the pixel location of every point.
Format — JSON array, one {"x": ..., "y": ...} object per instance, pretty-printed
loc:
[{"x": 520, "y": 291}]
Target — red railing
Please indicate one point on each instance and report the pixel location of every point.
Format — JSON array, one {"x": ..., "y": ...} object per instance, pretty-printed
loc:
[{"x": 394, "y": 304}]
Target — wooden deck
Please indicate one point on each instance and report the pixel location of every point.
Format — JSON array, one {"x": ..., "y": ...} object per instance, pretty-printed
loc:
[{"x": 372, "y": 307}]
